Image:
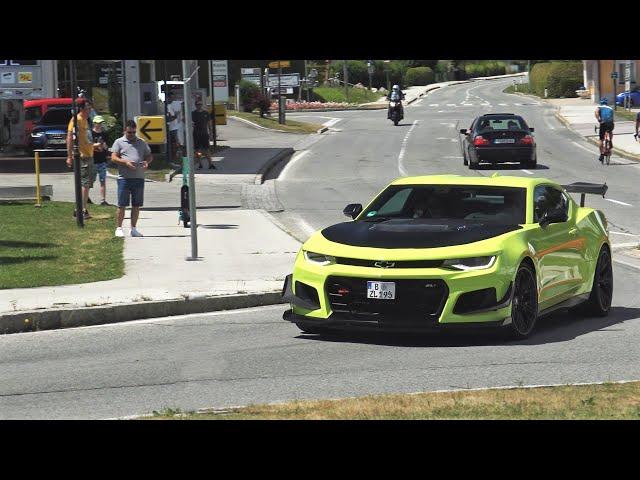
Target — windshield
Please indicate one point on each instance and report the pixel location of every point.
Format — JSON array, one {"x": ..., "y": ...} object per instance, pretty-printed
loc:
[
  {"x": 56, "y": 116},
  {"x": 501, "y": 123},
  {"x": 421, "y": 203}
]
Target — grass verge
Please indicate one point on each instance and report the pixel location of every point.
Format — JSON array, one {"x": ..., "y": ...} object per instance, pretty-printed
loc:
[
  {"x": 570, "y": 402},
  {"x": 622, "y": 115},
  {"x": 44, "y": 246},
  {"x": 522, "y": 88},
  {"x": 337, "y": 94},
  {"x": 291, "y": 126}
]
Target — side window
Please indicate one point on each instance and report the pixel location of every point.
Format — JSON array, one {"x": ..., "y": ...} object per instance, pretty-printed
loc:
[
  {"x": 395, "y": 204},
  {"x": 32, "y": 113},
  {"x": 548, "y": 199}
]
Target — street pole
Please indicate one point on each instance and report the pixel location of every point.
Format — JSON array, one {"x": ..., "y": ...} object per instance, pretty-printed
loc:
[
  {"x": 166, "y": 115},
  {"x": 529, "y": 75},
  {"x": 280, "y": 106},
  {"x": 76, "y": 151},
  {"x": 613, "y": 69},
  {"x": 346, "y": 79},
  {"x": 213, "y": 106},
  {"x": 186, "y": 73},
  {"x": 124, "y": 93},
  {"x": 306, "y": 77}
]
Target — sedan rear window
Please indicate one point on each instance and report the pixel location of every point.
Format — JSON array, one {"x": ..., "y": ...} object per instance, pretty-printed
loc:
[
  {"x": 501, "y": 123},
  {"x": 495, "y": 205},
  {"x": 56, "y": 116}
]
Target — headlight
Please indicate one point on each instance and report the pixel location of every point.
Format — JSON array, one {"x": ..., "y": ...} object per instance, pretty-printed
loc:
[
  {"x": 38, "y": 134},
  {"x": 392, "y": 104},
  {"x": 471, "y": 263},
  {"x": 318, "y": 258}
]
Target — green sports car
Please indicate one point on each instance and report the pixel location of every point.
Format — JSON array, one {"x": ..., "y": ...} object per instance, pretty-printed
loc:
[{"x": 441, "y": 251}]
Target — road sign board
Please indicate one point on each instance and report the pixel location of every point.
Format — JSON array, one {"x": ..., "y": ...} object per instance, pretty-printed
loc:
[
  {"x": 220, "y": 80},
  {"x": 283, "y": 90},
  {"x": 252, "y": 78},
  {"x": 249, "y": 71},
  {"x": 151, "y": 129},
  {"x": 288, "y": 80},
  {"x": 614, "y": 74},
  {"x": 280, "y": 64}
]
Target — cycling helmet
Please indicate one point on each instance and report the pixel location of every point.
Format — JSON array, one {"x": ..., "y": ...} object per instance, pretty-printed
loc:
[
  {"x": 603, "y": 101},
  {"x": 396, "y": 87}
]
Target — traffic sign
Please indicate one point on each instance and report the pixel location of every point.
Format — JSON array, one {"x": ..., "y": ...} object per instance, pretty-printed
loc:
[
  {"x": 288, "y": 80},
  {"x": 283, "y": 90},
  {"x": 280, "y": 64},
  {"x": 151, "y": 129},
  {"x": 249, "y": 71}
]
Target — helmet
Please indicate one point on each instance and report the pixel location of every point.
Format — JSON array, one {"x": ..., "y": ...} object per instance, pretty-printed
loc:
[
  {"x": 396, "y": 87},
  {"x": 603, "y": 101}
]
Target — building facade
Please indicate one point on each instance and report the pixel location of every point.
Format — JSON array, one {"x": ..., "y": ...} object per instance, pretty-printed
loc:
[{"x": 598, "y": 78}]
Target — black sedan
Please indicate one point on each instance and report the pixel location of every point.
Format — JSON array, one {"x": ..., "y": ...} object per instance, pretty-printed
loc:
[{"x": 497, "y": 138}]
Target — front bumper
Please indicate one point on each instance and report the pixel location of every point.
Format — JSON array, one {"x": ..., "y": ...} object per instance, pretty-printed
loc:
[
  {"x": 313, "y": 294},
  {"x": 506, "y": 154}
]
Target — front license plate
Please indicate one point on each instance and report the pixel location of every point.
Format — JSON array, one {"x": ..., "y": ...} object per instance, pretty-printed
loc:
[
  {"x": 504, "y": 140},
  {"x": 56, "y": 141},
  {"x": 381, "y": 290}
]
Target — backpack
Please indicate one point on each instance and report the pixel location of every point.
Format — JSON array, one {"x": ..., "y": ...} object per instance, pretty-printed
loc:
[{"x": 606, "y": 114}]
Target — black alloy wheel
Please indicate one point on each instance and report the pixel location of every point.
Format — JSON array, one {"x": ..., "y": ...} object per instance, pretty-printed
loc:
[
  {"x": 599, "y": 303},
  {"x": 524, "y": 305}
]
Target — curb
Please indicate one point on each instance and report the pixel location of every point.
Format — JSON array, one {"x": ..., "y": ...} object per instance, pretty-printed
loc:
[
  {"x": 272, "y": 162},
  {"x": 255, "y": 125},
  {"x": 37, "y": 320}
]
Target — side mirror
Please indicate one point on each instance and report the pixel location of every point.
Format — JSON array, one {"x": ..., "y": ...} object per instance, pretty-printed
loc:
[
  {"x": 463, "y": 131},
  {"x": 555, "y": 216},
  {"x": 352, "y": 210},
  {"x": 531, "y": 129}
]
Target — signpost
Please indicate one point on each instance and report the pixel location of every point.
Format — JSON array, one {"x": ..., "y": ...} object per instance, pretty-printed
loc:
[
  {"x": 188, "y": 76},
  {"x": 614, "y": 77},
  {"x": 280, "y": 64},
  {"x": 627, "y": 85},
  {"x": 152, "y": 129}
]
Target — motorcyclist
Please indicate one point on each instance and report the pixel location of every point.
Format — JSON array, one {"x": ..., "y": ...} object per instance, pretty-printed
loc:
[
  {"x": 395, "y": 95},
  {"x": 604, "y": 114}
]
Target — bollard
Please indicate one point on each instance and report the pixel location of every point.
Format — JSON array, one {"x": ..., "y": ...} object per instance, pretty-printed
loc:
[{"x": 37, "y": 160}]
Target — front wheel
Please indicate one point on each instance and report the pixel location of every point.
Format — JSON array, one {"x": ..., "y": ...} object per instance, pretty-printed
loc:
[{"x": 524, "y": 305}]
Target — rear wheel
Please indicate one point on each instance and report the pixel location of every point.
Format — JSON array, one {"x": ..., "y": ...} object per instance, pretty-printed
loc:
[
  {"x": 599, "y": 303},
  {"x": 524, "y": 306}
]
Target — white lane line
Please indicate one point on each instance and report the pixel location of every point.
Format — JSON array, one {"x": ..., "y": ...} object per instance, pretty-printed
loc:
[
  {"x": 450, "y": 125},
  {"x": 294, "y": 159},
  {"x": 453, "y": 156},
  {"x": 518, "y": 104},
  {"x": 455, "y": 140},
  {"x": 331, "y": 123},
  {"x": 547, "y": 123},
  {"x": 527, "y": 172},
  {"x": 502, "y": 104},
  {"x": 618, "y": 201},
  {"x": 451, "y": 104},
  {"x": 616, "y": 260},
  {"x": 401, "y": 168},
  {"x": 415, "y": 104},
  {"x": 434, "y": 104},
  {"x": 442, "y": 138},
  {"x": 625, "y": 234},
  {"x": 593, "y": 152}
]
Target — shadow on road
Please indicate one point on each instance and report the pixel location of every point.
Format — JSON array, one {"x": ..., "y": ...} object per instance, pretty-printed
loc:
[{"x": 559, "y": 327}]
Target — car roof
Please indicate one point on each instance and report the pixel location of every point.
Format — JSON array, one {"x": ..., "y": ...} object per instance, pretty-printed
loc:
[
  {"x": 494, "y": 181},
  {"x": 498, "y": 115}
]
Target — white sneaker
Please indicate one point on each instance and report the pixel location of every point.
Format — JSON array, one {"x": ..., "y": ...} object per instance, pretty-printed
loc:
[
  {"x": 119, "y": 232},
  {"x": 135, "y": 232}
]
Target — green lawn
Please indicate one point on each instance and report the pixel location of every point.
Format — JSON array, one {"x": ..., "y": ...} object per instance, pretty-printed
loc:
[
  {"x": 569, "y": 402},
  {"x": 44, "y": 246},
  {"x": 337, "y": 94},
  {"x": 290, "y": 126}
]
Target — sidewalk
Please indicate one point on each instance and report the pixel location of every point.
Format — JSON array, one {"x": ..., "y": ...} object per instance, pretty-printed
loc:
[
  {"x": 579, "y": 115},
  {"x": 244, "y": 256}
]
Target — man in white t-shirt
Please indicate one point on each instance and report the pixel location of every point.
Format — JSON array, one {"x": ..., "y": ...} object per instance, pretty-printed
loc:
[{"x": 176, "y": 124}]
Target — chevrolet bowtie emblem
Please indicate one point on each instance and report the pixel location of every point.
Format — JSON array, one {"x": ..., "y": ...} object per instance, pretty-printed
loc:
[{"x": 383, "y": 264}]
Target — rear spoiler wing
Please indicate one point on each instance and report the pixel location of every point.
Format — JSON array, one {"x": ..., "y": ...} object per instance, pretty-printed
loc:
[{"x": 583, "y": 188}]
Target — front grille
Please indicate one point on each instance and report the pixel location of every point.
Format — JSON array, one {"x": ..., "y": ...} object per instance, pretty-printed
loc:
[
  {"x": 417, "y": 301},
  {"x": 57, "y": 136},
  {"x": 396, "y": 264}
]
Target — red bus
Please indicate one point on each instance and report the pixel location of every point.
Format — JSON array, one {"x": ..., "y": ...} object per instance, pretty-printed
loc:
[{"x": 35, "y": 109}]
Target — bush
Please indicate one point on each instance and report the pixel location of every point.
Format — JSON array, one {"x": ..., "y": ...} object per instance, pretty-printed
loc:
[
  {"x": 418, "y": 76},
  {"x": 250, "y": 96},
  {"x": 561, "y": 79}
]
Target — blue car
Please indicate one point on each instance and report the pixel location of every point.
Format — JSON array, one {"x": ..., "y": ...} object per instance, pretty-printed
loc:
[
  {"x": 635, "y": 98},
  {"x": 51, "y": 130}
]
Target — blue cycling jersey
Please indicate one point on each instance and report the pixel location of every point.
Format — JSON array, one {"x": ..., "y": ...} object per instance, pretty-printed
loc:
[{"x": 606, "y": 114}]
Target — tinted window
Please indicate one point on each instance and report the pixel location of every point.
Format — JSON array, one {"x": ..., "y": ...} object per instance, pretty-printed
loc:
[
  {"x": 32, "y": 113},
  {"x": 548, "y": 199},
  {"x": 496, "y": 205},
  {"x": 502, "y": 123},
  {"x": 56, "y": 116}
]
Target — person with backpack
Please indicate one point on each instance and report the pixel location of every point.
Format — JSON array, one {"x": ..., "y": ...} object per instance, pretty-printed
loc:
[{"x": 604, "y": 114}]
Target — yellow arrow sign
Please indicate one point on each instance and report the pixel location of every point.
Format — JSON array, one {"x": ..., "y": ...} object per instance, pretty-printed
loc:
[
  {"x": 280, "y": 64},
  {"x": 151, "y": 129}
]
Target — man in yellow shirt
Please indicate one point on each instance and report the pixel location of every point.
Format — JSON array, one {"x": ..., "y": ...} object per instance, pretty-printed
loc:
[{"x": 85, "y": 144}]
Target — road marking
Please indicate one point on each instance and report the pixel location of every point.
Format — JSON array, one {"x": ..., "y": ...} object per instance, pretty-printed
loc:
[
  {"x": 585, "y": 148},
  {"x": 618, "y": 201},
  {"x": 451, "y": 104},
  {"x": 331, "y": 123},
  {"x": 528, "y": 172},
  {"x": 518, "y": 104},
  {"x": 401, "y": 168},
  {"x": 294, "y": 159},
  {"x": 451, "y": 125},
  {"x": 417, "y": 103},
  {"x": 626, "y": 234},
  {"x": 442, "y": 138},
  {"x": 434, "y": 104},
  {"x": 502, "y": 104},
  {"x": 626, "y": 263},
  {"x": 453, "y": 156},
  {"x": 546, "y": 121},
  {"x": 454, "y": 140}
]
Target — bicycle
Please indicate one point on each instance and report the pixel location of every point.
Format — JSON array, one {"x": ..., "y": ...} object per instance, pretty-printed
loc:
[{"x": 606, "y": 145}]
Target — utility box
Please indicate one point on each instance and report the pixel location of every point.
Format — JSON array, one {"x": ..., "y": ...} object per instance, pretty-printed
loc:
[{"x": 220, "y": 113}]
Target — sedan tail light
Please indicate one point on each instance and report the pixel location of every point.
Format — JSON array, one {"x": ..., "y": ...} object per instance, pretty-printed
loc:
[
  {"x": 527, "y": 140},
  {"x": 480, "y": 140}
]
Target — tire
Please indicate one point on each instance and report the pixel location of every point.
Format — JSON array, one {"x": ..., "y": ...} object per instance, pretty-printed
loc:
[
  {"x": 395, "y": 122},
  {"x": 524, "y": 305},
  {"x": 464, "y": 158},
  {"x": 599, "y": 302},
  {"x": 472, "y": 166}
]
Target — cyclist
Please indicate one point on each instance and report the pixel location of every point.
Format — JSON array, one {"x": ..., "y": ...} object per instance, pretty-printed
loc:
[{"x": 604, "y": 114}]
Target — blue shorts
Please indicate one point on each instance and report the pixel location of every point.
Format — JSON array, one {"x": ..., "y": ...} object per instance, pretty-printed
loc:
[
  {"x": 100, "y": 169},
  {"x": 130, "y": 187}
]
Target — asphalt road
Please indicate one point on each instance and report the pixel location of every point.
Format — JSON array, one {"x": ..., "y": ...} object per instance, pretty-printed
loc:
[{"x": 252, "y": 356}]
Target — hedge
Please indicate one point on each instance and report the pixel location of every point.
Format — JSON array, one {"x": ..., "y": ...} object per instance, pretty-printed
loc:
[
  {"x": 561, "y": 79},
  {"x": 418, "y": 76}
]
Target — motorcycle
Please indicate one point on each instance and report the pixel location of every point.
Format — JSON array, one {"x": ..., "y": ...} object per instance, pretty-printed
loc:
[{"x": 395, "y": 112}]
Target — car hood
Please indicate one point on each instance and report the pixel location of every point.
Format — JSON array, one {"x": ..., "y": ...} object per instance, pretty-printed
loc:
[{"x": 403, "y": 233}]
